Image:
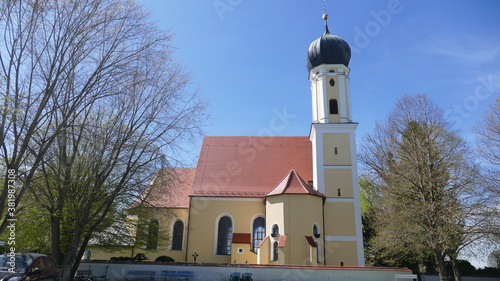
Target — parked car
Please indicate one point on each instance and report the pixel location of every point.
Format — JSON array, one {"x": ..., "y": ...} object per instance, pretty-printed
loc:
[{"x": 27, "y": 266}]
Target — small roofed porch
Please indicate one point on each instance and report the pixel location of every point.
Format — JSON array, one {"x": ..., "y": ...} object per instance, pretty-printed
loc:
[{"x": 241, "y": 250}]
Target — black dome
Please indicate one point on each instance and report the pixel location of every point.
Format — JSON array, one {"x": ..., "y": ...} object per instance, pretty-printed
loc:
[{"x": 328, "y": 49}]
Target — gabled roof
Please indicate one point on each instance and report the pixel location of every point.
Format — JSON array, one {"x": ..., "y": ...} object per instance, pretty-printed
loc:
[
  {"x": 263, "y": 241},
  {"x": 249, "y": 166},
  {"x": 170, "y": 189},
  {"x": 292, "y": 183}
]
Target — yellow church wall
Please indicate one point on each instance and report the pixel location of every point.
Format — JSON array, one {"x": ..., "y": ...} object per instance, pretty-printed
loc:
[
  {"x": 275, "y": 214},
  {"x": 342, "y": 155},
  {"x": 263, "y": 252},
  {"x": 341, "y": 253},
  {"x": 204, "y": 224},
  {"x": 338, "y": 181},
  {"x": 339, "y": 219},
  {"x": 242, "y": 253},
  {"x": 295, "y": 215},
  {"x": 166, "y": 218},
  {"x": 305, "y": 211}
]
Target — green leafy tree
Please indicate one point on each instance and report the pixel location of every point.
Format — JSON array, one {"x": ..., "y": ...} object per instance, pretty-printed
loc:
[{"x": 380, "y": 256}]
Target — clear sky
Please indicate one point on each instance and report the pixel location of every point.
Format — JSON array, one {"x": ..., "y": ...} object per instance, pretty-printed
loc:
[{"x": 249, "y": 58}]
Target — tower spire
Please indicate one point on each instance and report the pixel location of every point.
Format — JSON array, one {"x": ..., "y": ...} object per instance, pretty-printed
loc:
[{"x": 325, "y": 17}]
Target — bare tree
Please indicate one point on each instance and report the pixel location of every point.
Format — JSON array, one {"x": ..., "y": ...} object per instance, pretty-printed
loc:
[
  {"x": 92, "y": 105},
  {"x": 488, "y": 144},
  {"x": 59, "y": 56},
  {"x": 488, "y": 132},
  {"x": 430, "y": 200},
  {"x": 488, "y": 147}
]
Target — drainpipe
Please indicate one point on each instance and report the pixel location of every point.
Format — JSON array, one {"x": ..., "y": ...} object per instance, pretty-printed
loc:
[
  {"x": 323, "y": 231},
  {"x": 187, "y": 230}
]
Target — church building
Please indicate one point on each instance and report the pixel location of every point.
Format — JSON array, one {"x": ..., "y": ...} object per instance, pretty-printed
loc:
[{"x": 285, "y": 200}]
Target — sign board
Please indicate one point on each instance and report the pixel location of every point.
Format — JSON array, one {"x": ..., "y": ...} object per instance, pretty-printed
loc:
[{"x": 406, "y": 276}]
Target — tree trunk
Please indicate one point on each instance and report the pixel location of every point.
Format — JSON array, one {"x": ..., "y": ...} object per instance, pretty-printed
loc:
[
  {"x": 456, "y": 272},
  {"x": 443, "y": 275},
  {"x": 67, "y": 268},
  {"x": 55, "y": 221}
]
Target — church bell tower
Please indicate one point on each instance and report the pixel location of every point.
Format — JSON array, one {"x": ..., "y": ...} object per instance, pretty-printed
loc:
[{"x": 334, "y": 149}]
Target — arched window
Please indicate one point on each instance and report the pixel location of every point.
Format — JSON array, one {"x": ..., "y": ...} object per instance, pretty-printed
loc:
[
  {"x": 275, "y": 251},
  {"x": 318, "y": 251},
  {"x": 224, "y": 236},
  {"x": 334, "y": 106},
  {"x": 153, "y": 230},
  {"x": 332, "y": 82},
  {"x": 177, "y": 235},
  {"x": 259, "y": 232},
  {"x": 316, "y": 231},
  {"x": 275, "y": 231}
]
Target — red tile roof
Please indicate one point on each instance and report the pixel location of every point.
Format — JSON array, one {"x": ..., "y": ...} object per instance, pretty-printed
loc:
[
  {"x": 293, "y": 184},
  {"x": 263, "y": 241},
  {"x": 170, "y": 189},
  {"x": 311, "y": 242},
  {"x": 244, "y": 238},
  {"x": 249, "y": 166},
  {"x": 282, "y": 240}
]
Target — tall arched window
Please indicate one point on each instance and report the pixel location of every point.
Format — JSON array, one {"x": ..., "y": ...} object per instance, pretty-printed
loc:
[
  {"x": 334, "y": 106},
  {"x": 275, "y": 251},
  {"x": 177, "y": 235},
  {"x": 318, "y": 251},
  {"x": 153, "y": 230},
  {"x": 259, "y": 232},
  {"x": 224, "y": 236}
]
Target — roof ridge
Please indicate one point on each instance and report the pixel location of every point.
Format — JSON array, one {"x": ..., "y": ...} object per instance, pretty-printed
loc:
[
  {"x": 289, "y": 181},
  {"x": 304, "y": 185},
  {"x": 283, "y": 185}
]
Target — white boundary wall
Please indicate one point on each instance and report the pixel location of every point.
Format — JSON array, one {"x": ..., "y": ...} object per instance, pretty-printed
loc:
[
  {"x": 117, "y": 271},
  {"x": 464, "y": 278}
]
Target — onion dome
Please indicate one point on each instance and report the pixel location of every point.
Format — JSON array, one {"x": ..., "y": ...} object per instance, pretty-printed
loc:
[{"x": 328, "y": 49}]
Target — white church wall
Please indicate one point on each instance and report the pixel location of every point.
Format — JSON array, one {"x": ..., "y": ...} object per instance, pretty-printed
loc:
[{"x": 117, "y": 272}]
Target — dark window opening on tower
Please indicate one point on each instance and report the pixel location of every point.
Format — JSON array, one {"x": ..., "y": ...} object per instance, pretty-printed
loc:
[
  {"x": 334, "y": 106},
  {"x": 332, "y": 82},
  {"x": 336, "y": 151}
]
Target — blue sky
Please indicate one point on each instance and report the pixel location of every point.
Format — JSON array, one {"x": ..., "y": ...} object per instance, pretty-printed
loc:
[{"x": 249, "y": 57}]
